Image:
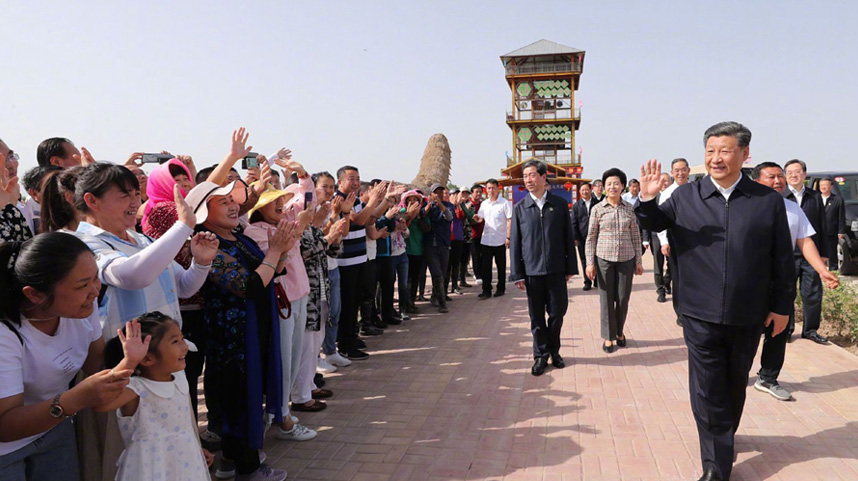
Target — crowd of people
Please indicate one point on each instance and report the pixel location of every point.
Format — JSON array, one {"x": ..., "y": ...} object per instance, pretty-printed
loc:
[
  {"x": 126, "y": 287},
  {"x": 128, "y": 284}
]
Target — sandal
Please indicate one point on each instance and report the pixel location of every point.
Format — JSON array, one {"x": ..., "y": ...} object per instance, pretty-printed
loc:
[
  {"x": 322, "y": 393},
  {"x": 309, "y": 408}
]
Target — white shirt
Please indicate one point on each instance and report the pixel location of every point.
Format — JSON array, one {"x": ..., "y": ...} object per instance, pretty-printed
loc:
[
  {"x": 628, "y": 197},
  {"x": 541, "y": 201},
  {"x": 43, "y": 366},
  {"x": 496, "y": 214},
  {"x": 726, "y": 191},
  {"x": 663, "y": 196},
  {"x": 798, "y": 194},
  {"x": 799, "y": 225}
]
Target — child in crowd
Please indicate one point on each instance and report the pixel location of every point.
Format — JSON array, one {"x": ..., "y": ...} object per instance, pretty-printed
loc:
[{"x": 154, "y": 410}]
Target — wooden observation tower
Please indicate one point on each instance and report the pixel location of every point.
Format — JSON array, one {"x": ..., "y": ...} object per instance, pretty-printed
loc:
[{"x": 543, "y": 78}]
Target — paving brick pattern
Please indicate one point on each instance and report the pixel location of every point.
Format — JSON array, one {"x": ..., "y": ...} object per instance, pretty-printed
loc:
[{"x": 451, "y": 397}]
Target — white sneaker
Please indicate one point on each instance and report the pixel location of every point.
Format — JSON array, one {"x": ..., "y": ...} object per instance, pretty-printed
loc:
[
  {"x": 479, "y": 282},
  {"x": 337, "y": 359},
  {"x": 298, "y": 432},
  {"x": 323, "y": 367}
]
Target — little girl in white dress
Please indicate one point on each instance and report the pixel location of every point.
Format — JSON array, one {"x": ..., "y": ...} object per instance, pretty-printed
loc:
[{"x": 154, "y": 410}]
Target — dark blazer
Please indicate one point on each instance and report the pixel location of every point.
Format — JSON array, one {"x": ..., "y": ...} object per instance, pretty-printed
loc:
[
  {"x": 835, "y": 217},
  {"x": 581, "y": 218},
  {"x": 541, "y": 241},
  {"x": 811, "y": 204},
  {"x": 735, "y": 258}
]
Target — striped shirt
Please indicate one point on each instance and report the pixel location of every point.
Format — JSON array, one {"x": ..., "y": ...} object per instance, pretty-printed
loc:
[
  {"x": 614, "y": 234},
  {"x": 354, "y": 243}
]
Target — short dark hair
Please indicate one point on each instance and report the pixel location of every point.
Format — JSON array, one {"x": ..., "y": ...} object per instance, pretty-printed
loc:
[
  {"x": 755, "y": 174},
  {"x": 731, "y": 129},
  {"x": 203, "y": 174},
  {"x": 32, "y": 180},
  {"x": 796, "y": 161},
  {"x": 342, "y": 170},
  {"x": 827, "y": 179},
  {"x": 53, "y": 147},
  {"x": 374, "y": 182},
  {"x": 614, "y": 172},
  {"x": 98, "y": 178},
  {"x": 476, "y": 187},
  {"x": 541, "y": 168},
  {"x": 493, "y": 181},
  {"x": 582, "y": 184},
  {"x": 275, "y": 173},
  {"x": 152, "y": 324},
  {"x": 598, "y": 180},
  {"x": 678, "y": 160},
  {"x": 634, "y": 181}
]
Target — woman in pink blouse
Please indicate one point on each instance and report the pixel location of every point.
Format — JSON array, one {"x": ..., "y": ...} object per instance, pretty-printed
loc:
[{"x": 613, "y": 255}]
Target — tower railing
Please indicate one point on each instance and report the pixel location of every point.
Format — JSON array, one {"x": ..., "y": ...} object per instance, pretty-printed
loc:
[
  {"x": 574, "y": 67},
  {"x": 544, "y": 114}
]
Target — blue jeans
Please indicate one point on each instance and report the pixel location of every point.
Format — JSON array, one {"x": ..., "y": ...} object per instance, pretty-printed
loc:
[
  {"x": 52, "y": 457},
  {"x": 329, "y": 346},
  {"x": 400, "y": 266}
]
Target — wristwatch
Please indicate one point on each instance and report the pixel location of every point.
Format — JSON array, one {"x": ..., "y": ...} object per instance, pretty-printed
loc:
[{"x": 56, "y": 409}]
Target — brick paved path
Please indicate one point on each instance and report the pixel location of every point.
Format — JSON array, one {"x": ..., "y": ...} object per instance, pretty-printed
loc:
[{"x": 451, "y": 397}]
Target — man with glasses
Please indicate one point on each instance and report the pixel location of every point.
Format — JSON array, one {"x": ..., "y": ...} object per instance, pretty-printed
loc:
[
  {"x": 679, "y": 171},
  {"x": 810, "y": 284}
]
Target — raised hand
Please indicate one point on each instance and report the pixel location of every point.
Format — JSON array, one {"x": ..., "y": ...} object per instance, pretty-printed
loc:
[
  {"x": 134, "y": 346},
  {"x": 392, "y": 212},
  {"x": 252, "y": 175},
  {"x": 412, "y": 209},
  {"x": 239, "y": 148},
  {"x": 86, "y": 157},
  {"x": 204, "y": 248},
  {"x": 349, "y": 203},
  {"x": 183, "y": 210},
  {"x": 336, "y": 205},
  {"x": 291, "y": 165},
  {"x": 188, "y": 161},
  {"x": 650, "y": 180},
  {"x": 321, "y": 214},
  {"x": 135, "y": 159},
  {"x": 283, "y": 237},
  {"x": 305, "y": 217},
  {"x": 284, "y": 153},
  {"x": 10, "y": 190},
  {"x": 342, "y": 227},
  {"x": 264, "y": 176}
]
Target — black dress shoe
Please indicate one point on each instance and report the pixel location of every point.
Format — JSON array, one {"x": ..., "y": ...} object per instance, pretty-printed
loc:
[
  {"x": 484, "y": 295},
  {"x": 621, "y": 342},
  {"x": 394, "y": 321},
  {"x": 557, "y": 361},
  {"x": 667, "y": 290},
  {"x": 539, "y": 365},
  {"x": 815, "y": 337},
  {"x": 464, "y": 284},
  {"x": 710, "y": 475},
  {"x": 360, "y": 344},
  {"x": 608, "y": 349},
  {"x": 499, "y": 293},
  {"x": 661, "y": 297},
  {"x": 586, "y": 287}
]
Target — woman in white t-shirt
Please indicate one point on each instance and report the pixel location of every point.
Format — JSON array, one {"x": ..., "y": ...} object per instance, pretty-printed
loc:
[{"x": 50, "y": 330}]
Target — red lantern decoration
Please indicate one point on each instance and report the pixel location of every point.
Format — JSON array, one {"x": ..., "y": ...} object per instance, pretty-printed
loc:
[
  {"x": 567, "y": 186},
  {"x": 521, "y": 188}
]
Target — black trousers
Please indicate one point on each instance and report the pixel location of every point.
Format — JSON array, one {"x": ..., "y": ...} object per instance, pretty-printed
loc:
[
  {"x": 416, "y": 269},
  {"x": 369, "y": 288},
  {"x": 477, "y": 257},
  {"x": 832, "y": 243},
  {"x": 661, "y": 268},
  {"x": 546, "y": 294},
  {"x": 772, "y": 357},
  {"x": 454, "y": 265},
  {"x": 498, "y": 254},
  {"x": 582, "y": 255},
  {"x": 466, "y": 259},
  {"x": 194, "y": 330},
  {"x": 673, "y": 281},
  {"x": 810, "y": 288},
  {"x": 386, "y": 284},
  {"x": 350, "y": 293},
  {"x": 719, "y": 359},
  {"x": 239, "y": 450}
]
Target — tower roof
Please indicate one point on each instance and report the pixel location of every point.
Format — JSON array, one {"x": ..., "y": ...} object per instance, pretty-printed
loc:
[{"x": 542, "y": 47}]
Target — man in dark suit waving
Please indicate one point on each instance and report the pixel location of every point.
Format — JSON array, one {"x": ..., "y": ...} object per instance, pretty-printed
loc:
[
  {"x": 542, "y": 259},
  {"x": 810, "y": 285},
  {"x": 581, "y": 223},
  {"x": 732, "y": 246}
]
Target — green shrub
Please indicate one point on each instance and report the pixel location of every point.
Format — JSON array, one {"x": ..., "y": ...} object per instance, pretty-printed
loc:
[{"x": 840, "y": 310}]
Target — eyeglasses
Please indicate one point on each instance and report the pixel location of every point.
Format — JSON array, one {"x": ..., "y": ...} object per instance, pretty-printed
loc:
[
  {"x": 679, "y": 171},
  {"x": 12, "y": 157}
]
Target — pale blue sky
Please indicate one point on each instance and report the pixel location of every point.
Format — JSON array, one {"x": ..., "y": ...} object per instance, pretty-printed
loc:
[{"x": 367, "y": 83}]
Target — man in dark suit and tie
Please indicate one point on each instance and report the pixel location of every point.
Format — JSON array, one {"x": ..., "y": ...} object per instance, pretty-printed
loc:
[
  {"x": 732, "y": 247},
  {"x": 542, "y": 259},
  {"x": 581, "y": 224},
  {"x": 835, "y": 220},
  {"x": 810, "y": 285}
]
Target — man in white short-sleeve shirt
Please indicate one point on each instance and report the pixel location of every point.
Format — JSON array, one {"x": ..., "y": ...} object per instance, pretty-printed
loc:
[
  {"x": 800, "y": 229},
  {"x": 495, "y": 212}
]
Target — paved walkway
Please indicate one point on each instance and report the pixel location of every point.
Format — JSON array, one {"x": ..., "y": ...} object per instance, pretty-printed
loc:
[{"x": 451, "y": 397}]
